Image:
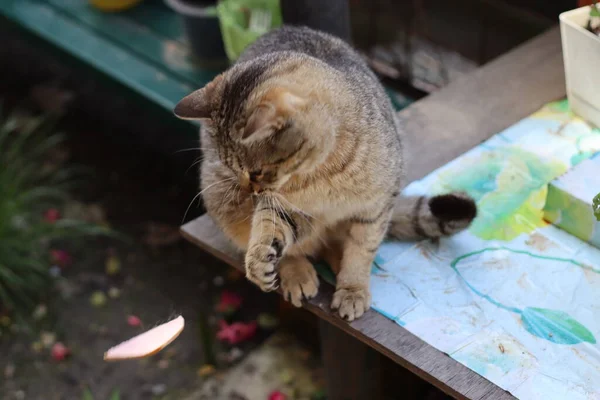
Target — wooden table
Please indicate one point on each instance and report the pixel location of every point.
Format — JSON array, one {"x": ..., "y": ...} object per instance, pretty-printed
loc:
[{"x": 440, "y": 127}]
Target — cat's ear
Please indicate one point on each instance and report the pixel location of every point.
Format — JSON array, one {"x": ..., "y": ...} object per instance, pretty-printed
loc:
[
  {"x": 271, "y": 114},
  {"x": 261, "y": 122},
  {"x": 199, "y": 104}
]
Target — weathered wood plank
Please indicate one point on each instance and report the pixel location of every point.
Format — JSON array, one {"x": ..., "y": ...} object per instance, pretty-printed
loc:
[
  {"x": 469, "y": 110},
  {"x": 353, "y": 371},
  {"x": 440, "y": 127}
]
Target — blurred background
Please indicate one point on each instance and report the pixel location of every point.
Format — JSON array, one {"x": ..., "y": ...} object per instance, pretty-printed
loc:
[{"x": 96, "y": 176}]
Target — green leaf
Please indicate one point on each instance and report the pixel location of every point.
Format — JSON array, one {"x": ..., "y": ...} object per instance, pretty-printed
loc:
[
  {"x": 596, "y": 206},
  {"x": 87, "y": 395},
  {"x": 555, "y": 326},
  {"x": 115, "y": 395}
]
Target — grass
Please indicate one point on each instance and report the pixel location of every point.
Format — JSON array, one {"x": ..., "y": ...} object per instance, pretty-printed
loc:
[
  {"x": 30, "y": 185},
  {"x": 87, "y": 395}
]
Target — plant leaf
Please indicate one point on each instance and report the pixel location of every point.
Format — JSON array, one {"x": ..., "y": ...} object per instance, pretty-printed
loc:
[
  {"x": 87, "y": 395},
  {"x": 555, "y": 326},
  {"x": 596, "y": 206}
]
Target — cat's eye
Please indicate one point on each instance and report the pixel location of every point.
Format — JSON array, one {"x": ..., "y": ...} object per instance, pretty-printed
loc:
[{"x": 255, "y": 175}]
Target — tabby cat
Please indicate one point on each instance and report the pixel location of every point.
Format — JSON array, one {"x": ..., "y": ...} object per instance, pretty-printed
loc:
[{"x": 303, "y": 161}]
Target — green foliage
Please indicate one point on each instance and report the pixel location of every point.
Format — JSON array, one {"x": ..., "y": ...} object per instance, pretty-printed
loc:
[
  {"x": 87, "y": 395},
  {"x": 596, "y": 206},
  {"x": 29, "y": 186},
  {"x": 594, "y": 11}
]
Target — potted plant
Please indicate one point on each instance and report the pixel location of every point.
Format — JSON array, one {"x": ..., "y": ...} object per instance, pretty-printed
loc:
[
  {"x": 201, "y": 25},
  {"x": 580, "y": 29}
]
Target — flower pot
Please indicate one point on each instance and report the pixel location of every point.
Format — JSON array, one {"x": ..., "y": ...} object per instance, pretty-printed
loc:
[
  {"x": 581, "y": 52},
  {"x": 331, "y": 16},
  {"x": 201, "y": 26}
]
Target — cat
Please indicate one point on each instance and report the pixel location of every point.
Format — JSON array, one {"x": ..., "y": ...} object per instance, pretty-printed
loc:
[{"x": 303, "y": 161}]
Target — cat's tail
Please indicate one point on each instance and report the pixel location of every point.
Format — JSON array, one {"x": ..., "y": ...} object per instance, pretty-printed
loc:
[{"x": 422, "y": 217}]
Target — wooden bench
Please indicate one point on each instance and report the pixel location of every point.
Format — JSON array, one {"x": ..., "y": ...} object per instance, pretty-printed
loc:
[
  {"x": 440, "y": 128},
  {"x": 144, "y": 49}
]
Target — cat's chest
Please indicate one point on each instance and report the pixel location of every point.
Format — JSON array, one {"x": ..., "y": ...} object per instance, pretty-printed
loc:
[{"x": 329, "y": 207}]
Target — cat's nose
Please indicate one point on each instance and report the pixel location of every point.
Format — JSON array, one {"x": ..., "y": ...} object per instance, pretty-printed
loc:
[{"x": 256, "y": 188}]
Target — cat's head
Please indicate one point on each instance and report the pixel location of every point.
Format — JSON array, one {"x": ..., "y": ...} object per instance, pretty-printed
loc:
[{"x": 267, "y": 124}]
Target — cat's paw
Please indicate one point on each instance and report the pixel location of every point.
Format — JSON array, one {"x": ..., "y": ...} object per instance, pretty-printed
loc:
[
  {"x": 298, "y": 281},
  {"x": 351, "y": 303},
  {"x": 261, "y": 262},
  {"x": 453, "y": 211}
]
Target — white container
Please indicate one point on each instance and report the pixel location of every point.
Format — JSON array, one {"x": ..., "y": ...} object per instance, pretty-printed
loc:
[{"x": 581, "y": 52}]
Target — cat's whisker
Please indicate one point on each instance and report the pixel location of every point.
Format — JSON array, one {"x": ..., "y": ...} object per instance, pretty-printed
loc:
[
  {"x": 190, "y": 149},
  {"x": 197, "y": 196}
]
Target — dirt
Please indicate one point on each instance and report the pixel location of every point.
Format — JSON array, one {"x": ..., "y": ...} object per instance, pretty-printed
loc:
[{"x": 160, "y": 276}]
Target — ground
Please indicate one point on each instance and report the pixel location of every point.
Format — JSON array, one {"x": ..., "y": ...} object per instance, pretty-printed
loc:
[{"x": 160, "y": 276}]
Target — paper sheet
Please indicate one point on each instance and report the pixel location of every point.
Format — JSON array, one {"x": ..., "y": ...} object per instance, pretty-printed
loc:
[{"x": 515, "y": 299}]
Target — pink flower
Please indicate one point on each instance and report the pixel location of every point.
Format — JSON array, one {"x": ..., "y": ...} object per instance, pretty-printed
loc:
[
  {"x": 237, "y": 332},
  {"x": 132, "y": 320},
  {"x": 60, "y": 257},
  {"x": 277, "y": 395},
  {"x": 229, "y": 302},
  {"x": 60, "y": 351},
  {"x": 52, "y": 215}
]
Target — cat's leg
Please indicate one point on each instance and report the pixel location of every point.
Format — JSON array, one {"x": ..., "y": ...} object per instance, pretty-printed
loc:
[
  {"x": 421, "y": 217},
  {"x": 273, "y": 231},
  {"x": 352, "y": 296},
  {"x": 298, "y": 279}
]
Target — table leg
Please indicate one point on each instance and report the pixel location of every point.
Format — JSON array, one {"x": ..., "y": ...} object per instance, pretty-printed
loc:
[{"x": 352, "y": 369}]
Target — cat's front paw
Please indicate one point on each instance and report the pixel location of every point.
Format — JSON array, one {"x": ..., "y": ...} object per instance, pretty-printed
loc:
[
  {"x": 351, "y": 303},
  {"x": 261, "y": 262}
]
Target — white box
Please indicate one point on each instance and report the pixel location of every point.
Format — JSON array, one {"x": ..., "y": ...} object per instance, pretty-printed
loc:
[{"x": 581, "y": 52}]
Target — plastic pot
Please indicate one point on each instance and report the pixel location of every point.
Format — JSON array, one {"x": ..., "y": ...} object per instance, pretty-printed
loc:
[
  {"x": 331, "y": 16},
  {"x": 581, "y": 52},
  {"x": 202, "y": 29}
]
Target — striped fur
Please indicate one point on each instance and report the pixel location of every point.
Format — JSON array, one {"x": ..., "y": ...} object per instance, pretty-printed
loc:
[{"x": 303, "y": 159}]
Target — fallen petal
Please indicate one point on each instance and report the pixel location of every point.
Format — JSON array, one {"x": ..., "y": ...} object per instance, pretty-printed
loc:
[
  {"x": 52, "y": 215},
  {"x": 147, "y": 343},
  {"x": 98, "y": 299},
  {"x": 62, "y": 258},
  {"x": 132, "y": 320},
  {"x": 113, "y": 265},
  {"x": 47, "y": 339},
  {"x": 206, "y": 370},
  {"x": 114, "y": 293},
  {"x": 277, "y": 395},
  {"x": 60, "y": 351}
]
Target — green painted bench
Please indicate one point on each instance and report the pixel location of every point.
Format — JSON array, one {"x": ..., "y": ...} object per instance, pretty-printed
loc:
[{"x": 143, "y": 49}]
